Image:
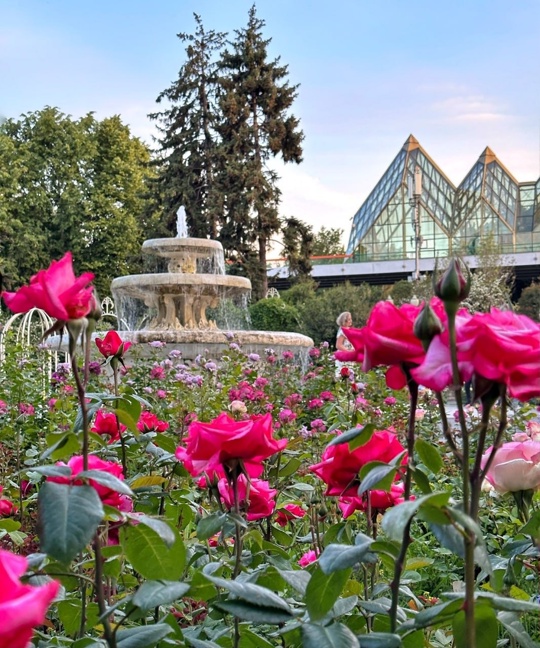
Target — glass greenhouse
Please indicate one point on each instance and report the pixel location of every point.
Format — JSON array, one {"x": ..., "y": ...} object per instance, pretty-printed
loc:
[{"x": 489, "y": 201}]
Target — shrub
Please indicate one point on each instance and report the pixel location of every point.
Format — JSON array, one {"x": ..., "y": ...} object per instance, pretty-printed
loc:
[{"x": 273, "y": 314}]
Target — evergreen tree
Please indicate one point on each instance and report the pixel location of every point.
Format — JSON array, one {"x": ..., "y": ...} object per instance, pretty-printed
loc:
[
  {"x": 189, "y": 145},
  {"x": 255, "y": 99},
  {"x": 297, "y": 248}
]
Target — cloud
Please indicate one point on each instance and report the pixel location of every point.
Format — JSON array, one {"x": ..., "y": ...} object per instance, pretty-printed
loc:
[{"x": 470, "y": 108}]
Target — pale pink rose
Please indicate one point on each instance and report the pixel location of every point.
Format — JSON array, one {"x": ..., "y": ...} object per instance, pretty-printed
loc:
[{"x": 516, "y": 467}]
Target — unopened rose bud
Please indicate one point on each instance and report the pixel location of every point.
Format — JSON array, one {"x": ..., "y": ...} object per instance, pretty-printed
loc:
[
  {"x": 427, "y": 325},
  {"x": 452, "y": 287},
  {"x": 95, "y": 308}
]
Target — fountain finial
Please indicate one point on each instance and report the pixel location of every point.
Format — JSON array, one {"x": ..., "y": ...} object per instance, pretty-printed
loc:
[{"x": 181, "y": 225}]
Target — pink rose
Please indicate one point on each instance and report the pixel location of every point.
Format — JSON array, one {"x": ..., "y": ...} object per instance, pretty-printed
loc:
[
  {"x": 210, "y": 446},
  {"x": 505, "y": 347},
  {"x": 289, "y": 512},
  {"x": 112, "y": 345},
  {"x": 107, "y": 495},
  {"x": 149, "y": 422},
  {"x": 7, "y": 507},
  {"x": 516, "y": 467},
  {"x": 107, "y": 424},
  {"x": 340, "y": 466},
  {"x": 308, "y": 558},
  {"x": 380, "y": 500},
  {"x": 256, "y": 499},
  {"x": 22, "y": 607},
  {"x": 56, "y": 291}
]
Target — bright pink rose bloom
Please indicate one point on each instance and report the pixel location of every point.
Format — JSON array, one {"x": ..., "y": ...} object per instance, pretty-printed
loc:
[
  {"x": 256, "y": 498},
  {"x": 112, "y": 345},
  {"x": 22, "y": 607},
  {"x": 107, "y": 496},
  {"x": 224, "y": 440},
  {"x": 149, "y": 422},
  {"x": 3, "y": 407},
  {"x": 380, "y": 500},
  {"x": 26, "y": 409},
  {"x": 505, "y": 347},
  {"x": 308, "y": 558},
  {"x": 516, "y": 467},
  {"x": 340, "y": 466},
  {"x": 7, "y": 507},
  {"x": 289, "y": 512},
  {"x": 388, "y": 339},
  {"x": 106, "y": 423},
  {"x": 56, "y": 291}
]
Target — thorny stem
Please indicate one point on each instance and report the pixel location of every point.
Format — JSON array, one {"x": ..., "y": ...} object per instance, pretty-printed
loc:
[
  {"x": 84, "y": 410},
  {"x": 114, "y": 365},
  {"x": 398, "y": 570},
  {"x": 446, "y": 430},
  {"x": 238, "y": 541},
  {"x": 413, "y": 391},
  {"x": 100, "y": 594},
  {"x": 469, "y": 539}
]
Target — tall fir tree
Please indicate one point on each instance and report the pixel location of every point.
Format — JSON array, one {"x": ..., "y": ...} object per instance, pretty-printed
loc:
[
  {"x": 255, "y": 100},
  {"x": 189, "y": 151}
]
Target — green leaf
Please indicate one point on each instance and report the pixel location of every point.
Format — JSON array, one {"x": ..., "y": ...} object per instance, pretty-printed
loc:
[
  {"x": 323, "y": 590},
  {"x": 290, "y": 468},
  {"x": 336, "y": 635},
  {"x": 337, "y": 556},
  {"x": 69, "y": 613},
  {"x": 9, "y": 525},
  {"x": 128, "y": 409},
  {"x": 68, "y": 518},
  {"x": 53, "y": 471},
  {"x": 255, "y": 594},
  {"x": 437, "y": 613},
  {"x": 154, "y": 593},
  {"x": 429, "y": 455},
  {"x": 356, "y": 437},
  {"x": 199, "y": 643},
  {"x": 376, "y": 476},
  {"x": 91, "y": 409},
  {"x": 162, "y": 528},
  {"x": 515, "y": 629},
  {"x": 380, "y": 640},
  {"x": 150, "y": 555},
  {"x": 251, "y": 612},
  {"x": 252, "y": 640},
  {"x": 421, "y": 480},
  {"x": 106, "y": 479},
  {"x": 66, "y": 446},
  {"x": 298, "y": 579},
  {"x": 485, "y": 621},
  {"x": 396, "y": 518},
  {"x": 210, "y": 525},
  {"x": 143, "y": 636}
]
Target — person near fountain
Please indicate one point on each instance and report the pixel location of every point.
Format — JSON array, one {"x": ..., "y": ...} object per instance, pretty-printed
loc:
[{"x": 342, "y": 343}]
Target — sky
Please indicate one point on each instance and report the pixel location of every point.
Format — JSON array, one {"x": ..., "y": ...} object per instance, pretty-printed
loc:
[{"x": 459, "y": 75}]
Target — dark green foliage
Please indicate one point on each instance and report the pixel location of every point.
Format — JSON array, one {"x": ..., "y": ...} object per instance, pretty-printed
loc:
[
  {"x": 297, "y": 248},
  {"x": 319, "y": 310},
  {"x": 70, "y": 185},
  {"x": 401, "y": 292},
  {"x": 274, "y": 314},
  {"x": 328, "y": 241},
  {"x": 190, "y": 154},
  {"x": 529, "y": 302}
]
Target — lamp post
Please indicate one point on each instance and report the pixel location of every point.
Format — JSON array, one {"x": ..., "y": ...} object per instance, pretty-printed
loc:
[{"x": 415, "y": 194}]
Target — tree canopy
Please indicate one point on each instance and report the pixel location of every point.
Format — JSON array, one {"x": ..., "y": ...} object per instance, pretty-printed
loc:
[{"x": 70, "y": 184}]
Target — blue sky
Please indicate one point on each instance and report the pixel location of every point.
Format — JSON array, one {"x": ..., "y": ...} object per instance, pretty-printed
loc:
[{"x": 458, "y": 75}]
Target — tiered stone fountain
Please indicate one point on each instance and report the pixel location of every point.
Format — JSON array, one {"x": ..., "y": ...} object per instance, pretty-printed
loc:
[{"x": 177, "y": 303}]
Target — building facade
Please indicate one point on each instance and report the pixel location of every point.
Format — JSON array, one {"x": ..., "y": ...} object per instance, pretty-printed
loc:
[{"x": 402, "y": 220}]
